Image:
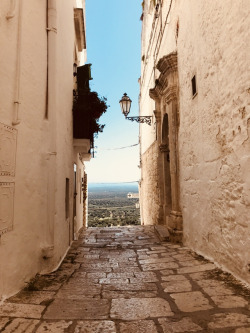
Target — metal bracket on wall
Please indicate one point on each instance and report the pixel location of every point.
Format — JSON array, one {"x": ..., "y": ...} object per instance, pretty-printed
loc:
[{"x": 141, "y": 119}]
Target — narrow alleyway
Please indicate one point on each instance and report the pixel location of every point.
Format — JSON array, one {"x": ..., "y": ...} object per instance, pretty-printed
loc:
[{"x": 124, "y": 280}]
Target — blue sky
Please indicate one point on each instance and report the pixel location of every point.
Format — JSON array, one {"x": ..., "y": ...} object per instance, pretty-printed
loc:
[{"x": 113, "y": 29}]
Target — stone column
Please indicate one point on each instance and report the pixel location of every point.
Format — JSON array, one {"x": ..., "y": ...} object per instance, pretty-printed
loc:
[{"x": 174, "y": 220}]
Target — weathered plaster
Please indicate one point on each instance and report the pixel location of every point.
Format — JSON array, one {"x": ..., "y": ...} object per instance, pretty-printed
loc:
[
  {"x": 44, "y": 154},
  {"x": 214, "y": 150}
]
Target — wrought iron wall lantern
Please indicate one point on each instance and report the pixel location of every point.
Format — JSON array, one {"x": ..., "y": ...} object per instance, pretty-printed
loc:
[{"x": 125, "y": 104}]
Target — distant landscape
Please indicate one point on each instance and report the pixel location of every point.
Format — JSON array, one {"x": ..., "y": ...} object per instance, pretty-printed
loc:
[{"x": 109, "y": 206}]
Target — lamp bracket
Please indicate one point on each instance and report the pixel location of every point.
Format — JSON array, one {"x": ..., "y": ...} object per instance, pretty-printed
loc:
[{"x": 141, "y": 119}]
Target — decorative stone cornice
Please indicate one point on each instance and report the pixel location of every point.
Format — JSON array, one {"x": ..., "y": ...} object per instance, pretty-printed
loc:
[
  {"x": 157, "y": 115},
  {"x": 171, "y": 94},
  {"x": 166, "y": 65}
]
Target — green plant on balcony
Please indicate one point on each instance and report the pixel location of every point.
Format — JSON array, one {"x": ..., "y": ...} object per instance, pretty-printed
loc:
[{"x": 87, "y": 107}]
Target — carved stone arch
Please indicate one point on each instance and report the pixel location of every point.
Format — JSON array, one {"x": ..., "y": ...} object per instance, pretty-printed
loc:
[
  {"x": 168, "y": 80},
  {"x": 165, "y": 94}
]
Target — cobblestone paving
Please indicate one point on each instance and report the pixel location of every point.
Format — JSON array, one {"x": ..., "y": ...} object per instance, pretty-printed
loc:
[{"x": 124, "y": 280}]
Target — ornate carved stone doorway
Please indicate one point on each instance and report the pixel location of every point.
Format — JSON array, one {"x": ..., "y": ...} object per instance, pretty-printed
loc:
[{"x": 165, "y": 94}]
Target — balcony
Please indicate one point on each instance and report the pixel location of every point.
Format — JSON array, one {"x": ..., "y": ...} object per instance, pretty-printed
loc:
[
  {"x": 82, "y": 147},
  {"x": 87, "y": 109}
]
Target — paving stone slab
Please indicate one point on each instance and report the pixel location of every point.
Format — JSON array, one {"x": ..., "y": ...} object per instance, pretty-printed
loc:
[
  {"x": 197, "y": 268},
  {"x": 21, "y": 310},
  {"x": 157, "y": 248},
  {"x": 159, "y": 266},
  {"x": 126, "y": 269},
  {"x": 110, "y": 294},
  {"x": 139, "y": 308},
  {"x": 120, "y": 275},
  {"x": 131, "y": 286},
  {"x": 59, "y": 326},
  {"x": 113, "y": 281},
  {"x": 98, "y": 266},
  {"x": 218, "y": 289},
  {"x": 139, "y": 326},
  {"x": 78, "y": 309},
  {"x": 183, "y": 257},
  {"x": 167, "y": 272},
  {"x": 173, "y": 246},
  {"x": 104, "y": 326},
  {"x": 101, "y": 261},
  {"x": 127, "y": 264},
  {"x": 97, "y": 275},
  {"x": 173, "y": 278},
  {"x": 94, "y": 269},
  {"x": 144, "y": 277},
  {"x": 3, "y": 322},
  {"x": 198, "y": 276},
  {"x": 191, "y": 301},
  {"x": 21, "y": 325},
  {"x": 92, "y": 256},
  {"x": 80, "y": 274},
  {"x": 80, "y": 293},
  {"x": 147, "y": 256},
  {"x": 156, "y": 260},
  {"x": 176, "y": 286},
  {"x": 77, "y": 282},
  {"x": 189, "y": 263},
  {"x": 223, "y": 320},
  {"x": 229, "y": 301},
  {"x": 183, "y": 325},
  {"x": 32, "y": 297},
  {"x": 122, "y": 254}
]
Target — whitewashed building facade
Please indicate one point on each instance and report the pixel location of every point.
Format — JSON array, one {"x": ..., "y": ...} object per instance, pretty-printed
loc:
[
  {"x": 41, "y": 164},
  {"x": 195, "y": 157}
]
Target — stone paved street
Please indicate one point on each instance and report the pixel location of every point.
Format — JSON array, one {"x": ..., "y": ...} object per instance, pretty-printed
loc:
[{"x": 124, "y": 280}]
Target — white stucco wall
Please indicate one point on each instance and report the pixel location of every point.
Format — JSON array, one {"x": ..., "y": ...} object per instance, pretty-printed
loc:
[
  {"x": 214, "y": 132},
  {"x": 214, "y": 147},
  {"x": 21, "y": 255}
]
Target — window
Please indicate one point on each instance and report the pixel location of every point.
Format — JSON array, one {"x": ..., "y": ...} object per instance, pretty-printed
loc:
[
  {"x": 194, "y": 89},
  {"x": 67, "y": 198}
]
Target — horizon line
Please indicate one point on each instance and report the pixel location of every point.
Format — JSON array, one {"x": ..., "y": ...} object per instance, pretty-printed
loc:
[{"x": 136, "y": 181}]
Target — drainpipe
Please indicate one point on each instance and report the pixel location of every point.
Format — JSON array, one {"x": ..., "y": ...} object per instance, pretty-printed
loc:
[
  {"x": 48, "y": 250},
  {"x": 10, "y": 15}
]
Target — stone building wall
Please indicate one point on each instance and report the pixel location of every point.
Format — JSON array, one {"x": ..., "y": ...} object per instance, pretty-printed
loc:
[
  {"x": 149, "y": 188},
  {"x": 211, "y": 40},
  {"x": 36, "y": 140},
  {"x": 214, "y": 132}
]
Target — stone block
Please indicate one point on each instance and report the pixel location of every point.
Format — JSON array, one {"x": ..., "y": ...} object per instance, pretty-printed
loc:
[
  {"x": 191, "y": 301},
  {"x": 139, "y": 308},
  {"x": 229, "y": 301},
  {"x": 103, "y": 326},
  {"x": 60, "y": 326},
  {"x": 176, "y": 286},
  {"x": 32, "y": 297},
  {"x": 223, "y": 320},
  {"x": 159, "y": 266},
  {"x": 140, "y": 326},
  {"x": 21, "y": 310},
  {"x": 183, "y": 325},
  {"x": 78, "y": 309},
  {"x": 162, "y": 232}
]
